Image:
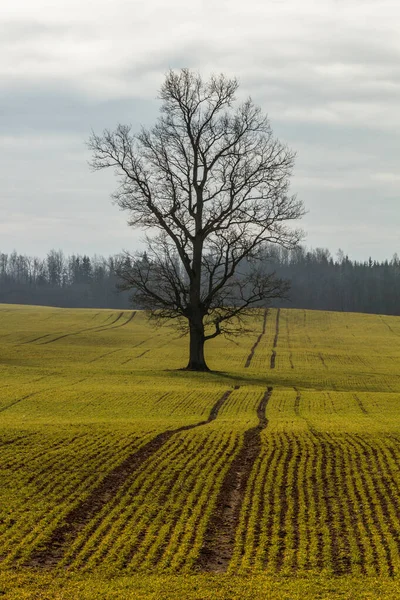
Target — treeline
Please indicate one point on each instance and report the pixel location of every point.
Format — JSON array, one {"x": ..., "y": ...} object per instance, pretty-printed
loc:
[
  {"x": 318, "y": 280},
  {"x": 67, "y": 281}
]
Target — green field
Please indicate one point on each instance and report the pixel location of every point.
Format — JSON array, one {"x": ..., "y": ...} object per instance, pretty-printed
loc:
[{"x": 275, "y": 476}]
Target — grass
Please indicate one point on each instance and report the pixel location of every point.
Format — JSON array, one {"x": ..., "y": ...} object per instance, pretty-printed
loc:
[
  {"x": 194, "y": 587},
  {"x": 114, "y": 463}
]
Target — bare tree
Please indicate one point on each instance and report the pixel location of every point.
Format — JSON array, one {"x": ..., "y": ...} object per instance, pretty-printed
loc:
[{"x": 211, "y": 185}]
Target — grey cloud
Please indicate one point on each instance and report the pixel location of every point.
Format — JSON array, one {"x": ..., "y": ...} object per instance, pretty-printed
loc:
[
  {"x": 363, "y": 223},
  {"x": 329, "y": 79},
  {"x": 50, "y": 109},
  {"x": 23, "y": 31}
]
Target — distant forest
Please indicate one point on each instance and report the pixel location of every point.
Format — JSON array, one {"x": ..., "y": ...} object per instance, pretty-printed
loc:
[{"x": 318, "y": 281}]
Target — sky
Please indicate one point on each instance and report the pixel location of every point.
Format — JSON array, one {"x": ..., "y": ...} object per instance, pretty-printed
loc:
[{"x": 327, "y": 73}]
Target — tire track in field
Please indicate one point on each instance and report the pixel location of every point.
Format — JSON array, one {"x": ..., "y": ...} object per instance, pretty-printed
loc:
[
  {"x": 253, "y": 349},
  {"x": 388, "y": 326},
  {"x": 297, "y": 402},
  {"x": 80, "y": 515},
  {"x": 321, "y": 358},
  {"x": 197, "y": 466},
  {"x": 100, "y": 530},
  {"x": 94, "y": 316},
  {"x": 137, "y": 346},
  {"x": 41, "y": 337},
  {"x": 64, "y": 491},
  {"x": 7, "y": 406},
  {"x": 360, "y": 404},
  {"x": 107, "y": 319},
  {"x": 99, "y": 327},
  {"x": 104, "y": 355},
  {"x": 18, "y": 400},
  {"x": 132, "y": 358},
  {"x": 256, "y": 501},
  {"x": 219, "y": 538},
  {"x": 289, "y": 344},
  {"x": 273, "y": 354},
  {"x": 124, "y": 362},
  {"x": 29, "y": 382},
  {"x": 301, "y": 488},
  {"x": 94, "y": 329},
  {"x": 121, "y": 324}
]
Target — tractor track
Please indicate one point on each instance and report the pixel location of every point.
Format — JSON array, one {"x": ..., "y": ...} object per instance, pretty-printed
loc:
[
  {"x": 254, "y": 347},
  {"x": 273, "y": 354},
  {"x": 98, "y": 328},
  {"x": 42, "y": 337},
  {"x": 3, "y": 408},
  {"x": 219, "y": 538},
  {"x": 81, "y": 514}
]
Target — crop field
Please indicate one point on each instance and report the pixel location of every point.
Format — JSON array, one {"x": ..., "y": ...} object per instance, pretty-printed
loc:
[{"x": 277, "y": 475}]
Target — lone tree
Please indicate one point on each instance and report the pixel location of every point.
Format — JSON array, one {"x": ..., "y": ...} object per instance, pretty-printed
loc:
[{"x": 210, "y": 183}]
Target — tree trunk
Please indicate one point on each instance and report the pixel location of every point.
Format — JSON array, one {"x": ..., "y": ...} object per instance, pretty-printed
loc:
[
  {"x": 196, "y": 326},
  {"x": 196, "y": 348}
]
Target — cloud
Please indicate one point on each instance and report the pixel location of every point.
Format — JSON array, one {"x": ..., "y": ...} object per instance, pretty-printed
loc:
[
  {"x": 323, "y": 62},
  {"x": 392, "y": 178},
  {"x": 85, "y": 233},
  {"x": 327, "y": 72}
]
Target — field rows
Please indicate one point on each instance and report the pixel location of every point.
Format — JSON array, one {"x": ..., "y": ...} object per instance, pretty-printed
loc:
[
  {"x": 59, "y": 482},
  {"x": 50, "y": 476},
  {"x": 285, "y": 460},
  {"x": 322, "y": 502},
  {"x": 322, "y": 350},
  {"x": 158, "y": 518},
  {"x": 292, "y": 518}
]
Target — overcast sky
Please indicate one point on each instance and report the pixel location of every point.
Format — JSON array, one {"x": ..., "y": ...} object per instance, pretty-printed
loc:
[{"x": 326, "y": 72}]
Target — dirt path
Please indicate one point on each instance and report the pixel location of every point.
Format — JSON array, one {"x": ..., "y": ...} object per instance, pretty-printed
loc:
[
  {"x": 219, "y": 538},
  {"x": 79, "y": 516}
]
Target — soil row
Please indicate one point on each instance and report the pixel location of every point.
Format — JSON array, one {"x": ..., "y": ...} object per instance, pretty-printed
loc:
[
  {"x": 81, "y": 514},
  {"x": 219, "y": 539}
]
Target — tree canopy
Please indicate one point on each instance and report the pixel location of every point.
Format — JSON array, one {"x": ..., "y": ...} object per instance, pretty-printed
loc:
[{"x": 210, "y": 185}]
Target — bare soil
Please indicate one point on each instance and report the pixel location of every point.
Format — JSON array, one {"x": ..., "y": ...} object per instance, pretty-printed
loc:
[{"x": 219, "y": 539}]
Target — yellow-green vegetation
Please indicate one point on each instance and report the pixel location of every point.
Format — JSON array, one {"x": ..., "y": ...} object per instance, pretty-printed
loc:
[{"x": 276, "y": 475}]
